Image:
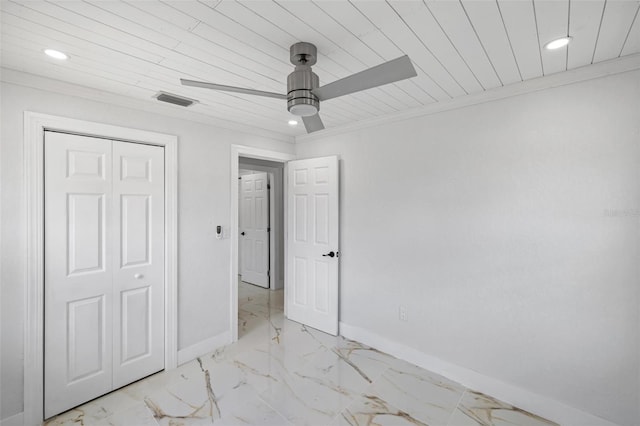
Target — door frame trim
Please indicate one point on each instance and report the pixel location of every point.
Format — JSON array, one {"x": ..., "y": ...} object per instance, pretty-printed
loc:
[
  {"x": 35, "y": 125},
  {"x": 238, "y": 151}
]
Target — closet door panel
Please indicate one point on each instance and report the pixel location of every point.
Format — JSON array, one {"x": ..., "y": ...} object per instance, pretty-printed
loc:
[
  {"x": 78, "y": 270},
  {"x": 138, "y": 191}
]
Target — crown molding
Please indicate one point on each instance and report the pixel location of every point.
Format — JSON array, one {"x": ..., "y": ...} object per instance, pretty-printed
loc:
[
  {"x": 11, "y": 76},
  {"x": 588, "y": 72}
]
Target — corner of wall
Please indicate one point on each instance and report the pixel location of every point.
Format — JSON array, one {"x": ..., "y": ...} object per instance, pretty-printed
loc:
[{"x": 208, "y": 345}]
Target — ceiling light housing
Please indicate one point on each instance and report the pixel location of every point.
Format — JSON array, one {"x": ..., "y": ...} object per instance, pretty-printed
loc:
[
  {"x": 56, "y": 54},
  {"x": 557, "y": 43}
]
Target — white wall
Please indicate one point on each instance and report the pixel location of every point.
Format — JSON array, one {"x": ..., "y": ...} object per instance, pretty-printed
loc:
[
  {"x": 510, "y": 231},
  {"x": 203, "y": 178}
]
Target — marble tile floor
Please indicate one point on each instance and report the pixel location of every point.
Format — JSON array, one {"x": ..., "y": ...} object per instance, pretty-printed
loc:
[{"x": 283, "y": 373}]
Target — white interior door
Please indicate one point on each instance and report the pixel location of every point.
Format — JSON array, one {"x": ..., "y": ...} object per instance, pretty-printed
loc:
[
  {"x": 104, "y": 266},
  {"x": 254, "y": 229},
  {"x": 312, "y": 243},
  {"x": 78, "y": 270},
  {"x": 138, "y": 273}
]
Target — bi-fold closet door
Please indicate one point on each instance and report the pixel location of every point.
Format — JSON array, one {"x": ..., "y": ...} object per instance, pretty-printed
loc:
[{"x": 104, "y": 266}]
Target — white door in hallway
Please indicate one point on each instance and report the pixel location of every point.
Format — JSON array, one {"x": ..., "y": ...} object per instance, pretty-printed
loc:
[
  {"x": 254, "y": 229},
  {"x": 104, "y": 266},
  {"x": 312, "y": 243}
]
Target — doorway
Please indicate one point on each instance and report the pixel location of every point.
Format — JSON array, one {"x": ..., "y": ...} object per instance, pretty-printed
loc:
[
  {"x": 260, "y": 239},
  {"x": 263, "y": 161}
]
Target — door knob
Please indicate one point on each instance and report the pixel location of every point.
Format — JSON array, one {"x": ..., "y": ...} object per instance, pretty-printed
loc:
[
  {"x": 242, "y": 233},
  {"x": 138, "y": 276},
  {"x": 330, "y": 254}
]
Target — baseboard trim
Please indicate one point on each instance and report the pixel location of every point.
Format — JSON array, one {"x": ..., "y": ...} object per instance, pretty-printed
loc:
[
  {"x": 15, "y": 420},
  {"x": 543, "y": 406},
  {"x": 208, "y": 345}
]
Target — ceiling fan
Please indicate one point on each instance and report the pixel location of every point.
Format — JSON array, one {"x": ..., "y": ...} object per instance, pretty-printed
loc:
[{"x": 303, "y": 94}]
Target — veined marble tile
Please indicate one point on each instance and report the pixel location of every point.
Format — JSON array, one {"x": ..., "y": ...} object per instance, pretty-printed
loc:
[
  {"x": 138, "y": 415},
  {"x": 478, "y": 409},
  {"x": 242, "y": 406},
  {"x": 306, "y": 400},
  {"x": 352, "y": 367},
  {"x": 371, "y": 410},
  {"x": 422, "y": 395}
]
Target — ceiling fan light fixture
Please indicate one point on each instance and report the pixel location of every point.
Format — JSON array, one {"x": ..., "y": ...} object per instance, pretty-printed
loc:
[
  {"x": 303, "y": 110},
  {"x": 293, "y": 122},
  {"x": 557, "y": 43},
  {"x": 56, "y": 54}
]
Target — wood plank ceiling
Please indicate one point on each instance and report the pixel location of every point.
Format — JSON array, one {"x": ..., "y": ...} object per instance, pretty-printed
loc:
[{"x": 139, "y": 47}]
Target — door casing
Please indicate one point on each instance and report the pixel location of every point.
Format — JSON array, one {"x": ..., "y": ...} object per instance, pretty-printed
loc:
[
  {"x": 35, "y": 125},
  {"x": 238, "y": 151}
]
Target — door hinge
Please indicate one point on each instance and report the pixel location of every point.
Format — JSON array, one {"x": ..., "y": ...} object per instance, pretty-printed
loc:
[
  {"x": 268, "y": 229},
  {"x": 268, "y": 186},
  {"x": 269, "y": 273}
]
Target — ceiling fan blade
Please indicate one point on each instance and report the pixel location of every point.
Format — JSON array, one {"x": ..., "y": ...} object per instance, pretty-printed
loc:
[
  {"x": 312, "y": 123},
  {"x": 389, "y": 72},
  {"x": 213, "y": 86}
]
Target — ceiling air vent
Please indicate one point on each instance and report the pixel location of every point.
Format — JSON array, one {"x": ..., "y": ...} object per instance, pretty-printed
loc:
[{"x": 175, "y": 99}]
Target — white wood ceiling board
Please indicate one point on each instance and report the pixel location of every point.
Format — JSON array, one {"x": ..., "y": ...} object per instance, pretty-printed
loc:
[
  {"x": 632, "y": 43},
  {"x": 617, "y": 15},
  {"x": 165, "y": 12},
  {"x": 252, "y": 21},
  {"x": 75, "y": 46},
  {"x": 284, "y": 19},
  {"x": 46, "y": 21},
  {"x": 487, "y": 22},
  {"x": 552, "y": 17},
  {"x": 389, "y": 23},
  {"x": 347, "y": 48},
  {"x": 221, "y": 30},
  {"x": 122, "y": 28},
  {"x": 259, "y": 24},
  {"x": 22, "y": 62},
  {"x": 78, "y": 48},
  {"x": 424, "y": 25},
  {"x": 521, "y": 28},
  {"x": 584, "y": 21},
  {"x": 95, "y": 30},
  {"x": 350, "y": 17},
  {"x": 150, "y": 24},
  {"x": 241, "y": 54},
  {"x": 244, "y": 109},
  {"x": 451, "y": 17}
]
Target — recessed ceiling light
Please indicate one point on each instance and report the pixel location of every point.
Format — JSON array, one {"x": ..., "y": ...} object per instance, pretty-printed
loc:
[
  {"x": 293, "y": 122},
  {"x": 55, "y": 54},
  {"x": 557, "y": 43}
]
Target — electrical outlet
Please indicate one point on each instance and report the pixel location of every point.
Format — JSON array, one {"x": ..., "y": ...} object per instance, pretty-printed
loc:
[{"x": 402, "y": 313}]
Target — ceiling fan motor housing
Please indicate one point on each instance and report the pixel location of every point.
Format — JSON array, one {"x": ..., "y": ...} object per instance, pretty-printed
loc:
[{"x": 300, "y": 100}]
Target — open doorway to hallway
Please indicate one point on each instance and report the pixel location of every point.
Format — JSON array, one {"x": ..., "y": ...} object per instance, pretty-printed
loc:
[{"x": 260, "y": 243}]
